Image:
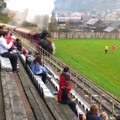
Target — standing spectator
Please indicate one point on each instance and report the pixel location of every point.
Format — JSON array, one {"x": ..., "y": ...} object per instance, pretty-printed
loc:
[
  {"x": 113, "y": 48},
  {"x": 104, "y": 116},
  {"x": 39, "y": 69},
  {"x": 4, "y": 47},
  {"x": 106, "y": 49},
  {"x": 93, "y": 113},
  {"x": 118, "y": 117},
  {"x": 64, "y": 77}
]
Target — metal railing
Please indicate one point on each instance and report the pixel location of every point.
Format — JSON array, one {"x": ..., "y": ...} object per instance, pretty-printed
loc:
[{"x": 79, "y": 80}]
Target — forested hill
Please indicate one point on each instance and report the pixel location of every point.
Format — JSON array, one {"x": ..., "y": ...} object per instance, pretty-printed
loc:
[{"x": 85, "y": 5}]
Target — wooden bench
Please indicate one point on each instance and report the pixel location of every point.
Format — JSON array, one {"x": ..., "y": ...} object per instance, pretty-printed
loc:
[
  {"x": 81, "y": 102},
  {"x": 59, "y": 111},
  {"x": 45, "y": 92},
  {"x": 37, "y": 103},
  {"x": 5, "y": 63},
  {"x": 39, "y": 83},
  {"x": 14, "y": 108}
]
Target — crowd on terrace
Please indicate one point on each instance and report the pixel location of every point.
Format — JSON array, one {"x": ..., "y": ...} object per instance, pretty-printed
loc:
[{"x": 9, "y": 43}]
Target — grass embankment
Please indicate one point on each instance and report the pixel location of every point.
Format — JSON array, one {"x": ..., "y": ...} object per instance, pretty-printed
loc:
[{"x": 88, "y": 58}]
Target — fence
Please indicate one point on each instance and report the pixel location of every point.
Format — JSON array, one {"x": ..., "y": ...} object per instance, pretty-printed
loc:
[{"x": 85, "y": 35}]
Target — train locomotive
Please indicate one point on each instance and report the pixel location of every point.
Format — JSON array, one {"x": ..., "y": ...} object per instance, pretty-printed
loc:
[{"x": 42, "y": 39}]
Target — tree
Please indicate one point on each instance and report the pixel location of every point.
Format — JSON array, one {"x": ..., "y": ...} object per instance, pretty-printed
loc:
[{"x": 2, "y": 4}]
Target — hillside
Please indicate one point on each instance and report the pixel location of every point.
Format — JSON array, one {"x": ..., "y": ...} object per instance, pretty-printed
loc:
[{"x": 85, "y": 5}]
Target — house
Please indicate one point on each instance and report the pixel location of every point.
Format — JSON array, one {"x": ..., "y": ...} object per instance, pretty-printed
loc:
[
  {"x": 114, "y": 27},
  {"x": 94, "y": 24}
]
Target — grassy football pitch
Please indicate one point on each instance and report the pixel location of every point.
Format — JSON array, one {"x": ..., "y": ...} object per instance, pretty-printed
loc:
[{"x": 89, "y": 59}]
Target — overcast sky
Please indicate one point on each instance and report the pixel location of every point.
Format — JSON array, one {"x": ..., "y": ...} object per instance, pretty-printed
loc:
[{"x": 34, "y": 6}]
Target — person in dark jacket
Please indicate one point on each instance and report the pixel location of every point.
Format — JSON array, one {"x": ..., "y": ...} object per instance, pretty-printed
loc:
[
  {"x": 93, "y": 114},
  {"x": 18, "y": 44},
  {"x": 29, "y": 59},
  {"x": 65, "y": 97}
]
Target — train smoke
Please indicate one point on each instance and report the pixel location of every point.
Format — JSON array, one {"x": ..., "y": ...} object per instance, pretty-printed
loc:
[{"x": 34, "y": 11}]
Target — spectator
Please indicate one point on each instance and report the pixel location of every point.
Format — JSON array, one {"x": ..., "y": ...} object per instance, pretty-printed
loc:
[
  {"x": 18, "y": 44},
  {"x": 93, "y": 113},
  {"x": 24, "y": 51},
  {"x": 64, "y": 77},
  {"x": 82, "y": 117},
  {"x": 38, "y": 69},
  {"x": 65, "y": 99},
  {"x": 29, "y": 58},
  {"x": 11, "y": 39},
  {"x": 118, "y": 117},
  {"x": 4, "y": 47},
  {"x": 104, "y": 116}
]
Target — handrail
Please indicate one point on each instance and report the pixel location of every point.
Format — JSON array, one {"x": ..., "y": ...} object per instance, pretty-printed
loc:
[{"x": 78, "y": 79}]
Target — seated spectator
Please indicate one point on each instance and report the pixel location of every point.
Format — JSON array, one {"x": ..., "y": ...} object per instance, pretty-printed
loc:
[
  {"x": 36, "y": 54},
  {"x": 104, "y": 116},
  {"x": 82, "y": 117},
  {"x": 64, "y": 98},
  {"x": 9, "y": 34},
  {"x": 4, "y": 47},
  {"x": 9, "y": 39},
  {"x": 39, "y": 69},
  {"x": 64, "y": 77},
  {"x": 18, "y": 44},
  {"x": 24, "y": 51},
  {"x": 93, "y": 113},
  {"x": 29, "y": 58},
  {"x": 118, "y": 117}
]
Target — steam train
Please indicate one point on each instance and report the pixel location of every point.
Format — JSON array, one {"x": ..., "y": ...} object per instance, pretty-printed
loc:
[{"x": 42, "y": 39}]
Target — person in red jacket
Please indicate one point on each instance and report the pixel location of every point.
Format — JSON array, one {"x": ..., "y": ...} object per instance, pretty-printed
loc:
[
  {"x": 25, "y": 52},
  {"x": 64, "y": 77},
  {"x": 11, "y": 39}
]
